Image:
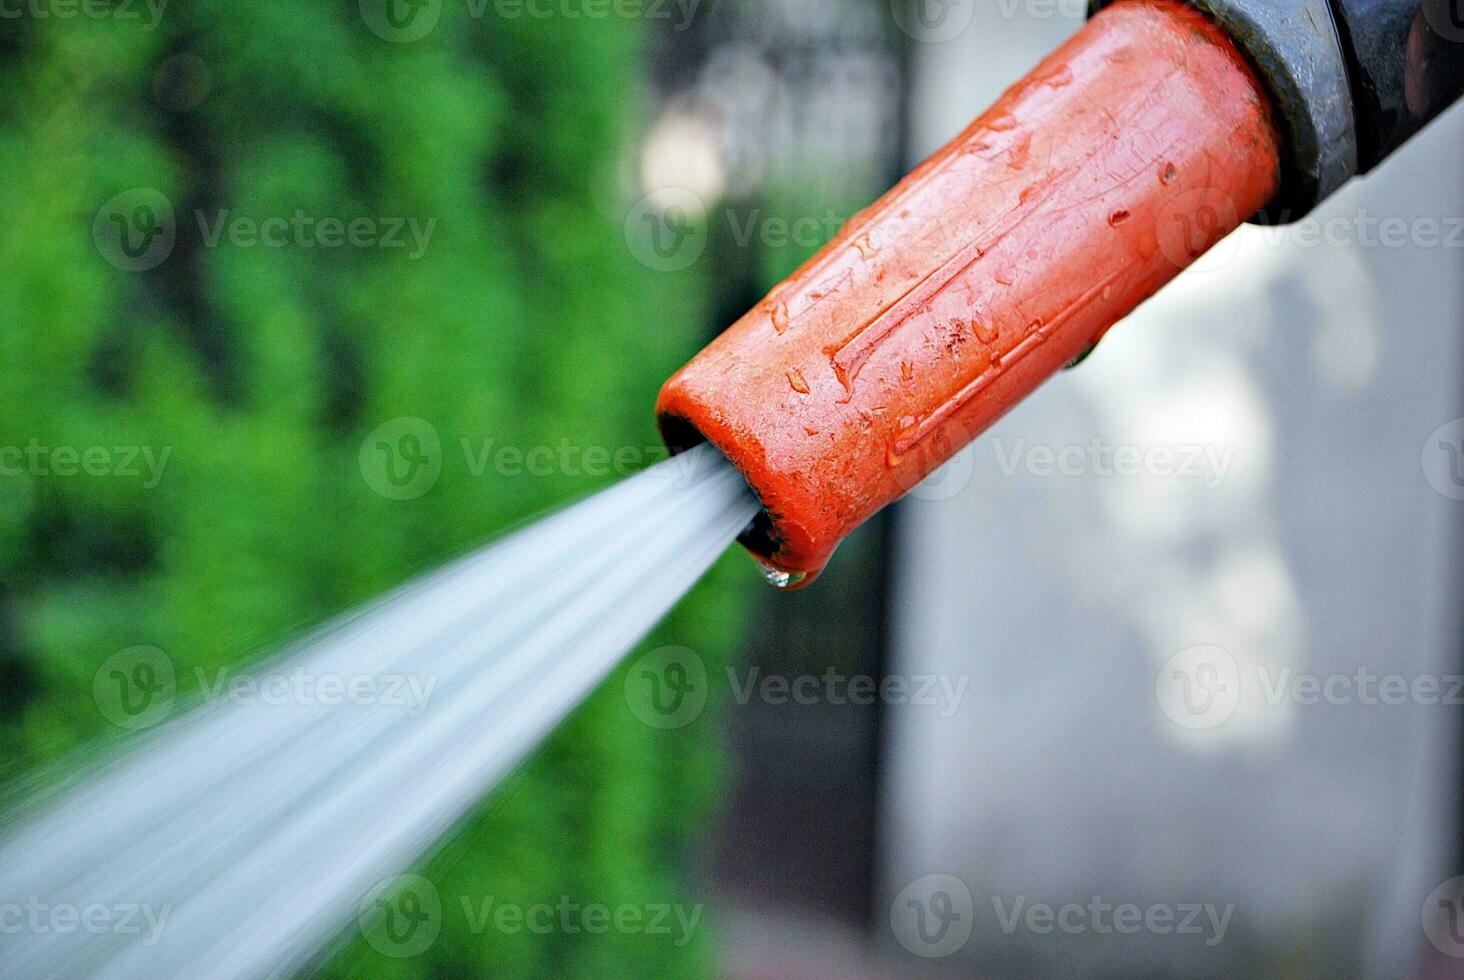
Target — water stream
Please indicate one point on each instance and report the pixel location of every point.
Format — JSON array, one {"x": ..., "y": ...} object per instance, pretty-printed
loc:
[{"x": 244, "y": 835}]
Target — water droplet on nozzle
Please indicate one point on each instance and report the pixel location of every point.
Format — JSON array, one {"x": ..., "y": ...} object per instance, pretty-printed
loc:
[{"x": 780, "y": 579}]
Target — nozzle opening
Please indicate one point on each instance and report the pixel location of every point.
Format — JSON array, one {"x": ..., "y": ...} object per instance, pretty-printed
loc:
[{"x": 759, "y": 537}]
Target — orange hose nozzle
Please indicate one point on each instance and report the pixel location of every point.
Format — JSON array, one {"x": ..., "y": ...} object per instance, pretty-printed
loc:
[{"x": 1091, "y": 183}]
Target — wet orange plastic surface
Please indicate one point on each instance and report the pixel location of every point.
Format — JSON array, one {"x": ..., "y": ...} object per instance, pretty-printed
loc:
[{"x": 1084, "y": 189}]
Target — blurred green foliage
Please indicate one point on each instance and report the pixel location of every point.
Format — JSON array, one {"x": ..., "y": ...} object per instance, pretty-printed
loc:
[{"x": 260, "y": 370}]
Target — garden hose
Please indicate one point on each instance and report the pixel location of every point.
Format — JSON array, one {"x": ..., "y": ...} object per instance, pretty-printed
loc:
[{"x": 1155, "y": 131}]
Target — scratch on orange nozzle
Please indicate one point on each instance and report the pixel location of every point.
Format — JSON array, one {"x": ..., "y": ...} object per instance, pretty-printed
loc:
[{"x": 1090, "y": 184}]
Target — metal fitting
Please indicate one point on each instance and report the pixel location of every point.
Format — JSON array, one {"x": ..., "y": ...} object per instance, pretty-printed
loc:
[{"x": 1295, "y": 47}]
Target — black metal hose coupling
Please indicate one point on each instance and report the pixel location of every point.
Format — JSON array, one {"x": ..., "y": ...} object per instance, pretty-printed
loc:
[{"x": 1351, "y": 79}]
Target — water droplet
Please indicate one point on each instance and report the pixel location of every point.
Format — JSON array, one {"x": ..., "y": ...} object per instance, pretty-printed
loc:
[
  {"x": 1118, "y": 217},
  {"x": 985, "y": 333},
  {"x": 1002, "y": 122},
  {"x": 1004, "y": 276},
  {"x": 780, "y": 579},
  {"x": 1059, "y": 78},
  {"x": 779, "y": 313},
  {"x": 866, "y": 250},
  {"x": 1020, "y": 153},
  {"x": 795, "y": 378},
  {"x": 1083, "y": 356},
  {"x": 1168, "y": 174}
]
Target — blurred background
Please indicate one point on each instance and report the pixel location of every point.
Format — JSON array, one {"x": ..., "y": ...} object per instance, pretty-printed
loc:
[{"x": 1094, "y": 701}]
